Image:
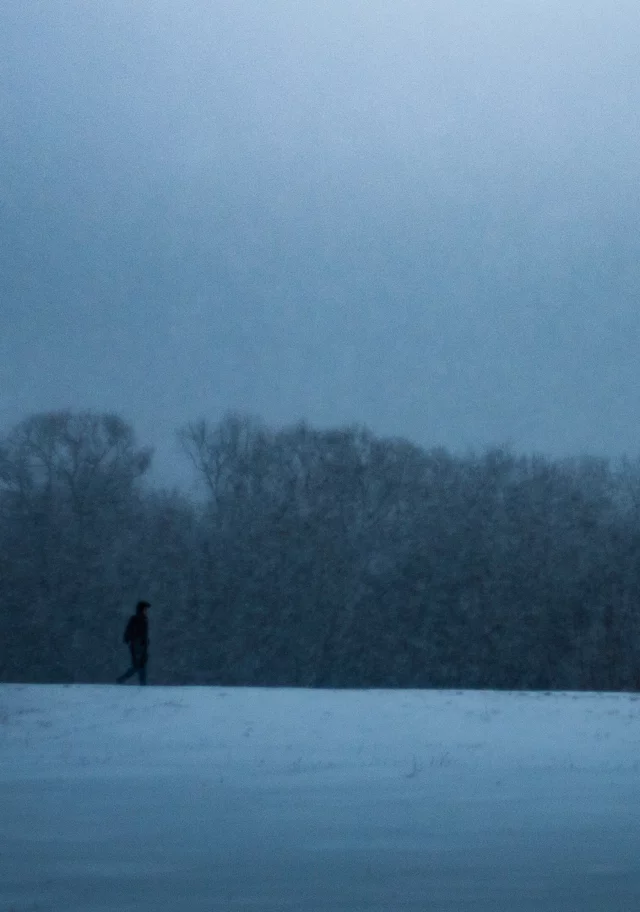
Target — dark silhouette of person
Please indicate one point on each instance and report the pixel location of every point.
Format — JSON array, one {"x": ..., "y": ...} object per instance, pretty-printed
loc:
[{"x": 136, "y": 636}]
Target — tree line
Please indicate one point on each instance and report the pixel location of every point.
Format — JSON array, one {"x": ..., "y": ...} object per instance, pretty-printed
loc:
[{"x": 320, "y": 558}]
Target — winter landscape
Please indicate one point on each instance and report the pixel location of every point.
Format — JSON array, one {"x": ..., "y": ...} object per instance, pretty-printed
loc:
[
  {"x": 319, "y": 352},
  {"x": 202, "y": 798}
]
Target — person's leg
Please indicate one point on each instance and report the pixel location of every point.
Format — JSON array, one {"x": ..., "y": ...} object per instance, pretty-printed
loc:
[
  {"x": 129, "y": 673},
  {"x": 142, "y": 674}
]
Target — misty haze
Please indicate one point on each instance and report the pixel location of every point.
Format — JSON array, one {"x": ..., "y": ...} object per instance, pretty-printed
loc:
[
  {"x": 421, "y": 218},
  {"x": 318, "y": 393}
]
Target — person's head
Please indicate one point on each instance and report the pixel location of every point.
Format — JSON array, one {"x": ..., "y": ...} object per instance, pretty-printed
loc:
[{"x": 142, "y": 608}]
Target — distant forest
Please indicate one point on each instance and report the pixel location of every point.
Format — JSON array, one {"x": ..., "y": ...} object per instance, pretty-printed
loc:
[{"x": 316, "y": 558}]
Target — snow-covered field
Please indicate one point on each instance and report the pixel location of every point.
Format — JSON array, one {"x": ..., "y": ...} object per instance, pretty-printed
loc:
[{"x": 201, "y": 799}]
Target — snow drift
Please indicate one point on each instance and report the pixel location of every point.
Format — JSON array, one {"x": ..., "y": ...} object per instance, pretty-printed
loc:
[{"x": 227, "y": 799}]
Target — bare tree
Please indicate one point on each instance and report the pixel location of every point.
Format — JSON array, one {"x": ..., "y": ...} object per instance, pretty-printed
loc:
[{"x": 68, "y": 485}]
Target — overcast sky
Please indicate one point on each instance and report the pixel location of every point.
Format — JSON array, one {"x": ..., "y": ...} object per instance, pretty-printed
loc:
[{"x": 419, "y": 216}]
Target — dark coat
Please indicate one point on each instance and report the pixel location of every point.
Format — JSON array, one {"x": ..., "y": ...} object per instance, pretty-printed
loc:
[{"x": 136, "y": 635}]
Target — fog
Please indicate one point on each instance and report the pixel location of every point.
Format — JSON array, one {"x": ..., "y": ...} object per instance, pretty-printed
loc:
[{"x": 421, "y": 217}]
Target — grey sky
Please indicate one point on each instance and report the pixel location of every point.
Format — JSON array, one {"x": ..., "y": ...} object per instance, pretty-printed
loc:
[{"x": 419, "y": 216}]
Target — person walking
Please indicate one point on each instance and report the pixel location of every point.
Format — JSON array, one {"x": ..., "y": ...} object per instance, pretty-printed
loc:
[{"x": 136, "y": 636}]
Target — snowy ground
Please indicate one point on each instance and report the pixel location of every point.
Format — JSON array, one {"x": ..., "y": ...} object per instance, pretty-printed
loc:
[{"x": 218, "y": 800}]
